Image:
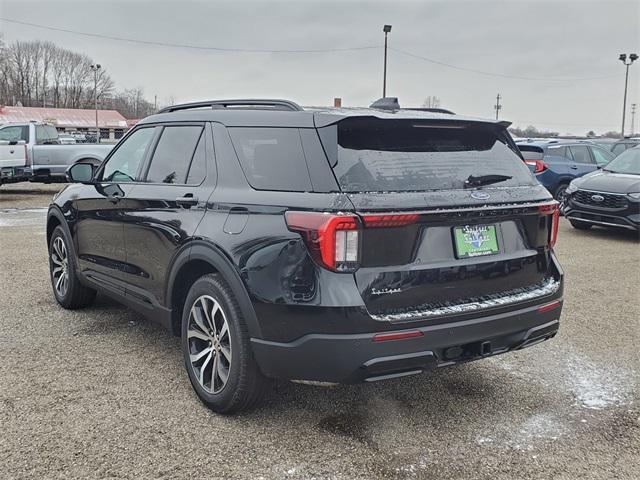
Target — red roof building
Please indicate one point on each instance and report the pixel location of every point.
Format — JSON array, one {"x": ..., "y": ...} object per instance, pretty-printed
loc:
[{"x": 64, "y": 118}]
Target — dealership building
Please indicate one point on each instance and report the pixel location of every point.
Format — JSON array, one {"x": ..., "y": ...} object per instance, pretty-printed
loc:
[{"x": 111, "y": 123}]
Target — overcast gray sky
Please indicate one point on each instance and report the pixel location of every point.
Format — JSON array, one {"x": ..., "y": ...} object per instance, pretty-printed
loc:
[{"x": 545, "y": 40}]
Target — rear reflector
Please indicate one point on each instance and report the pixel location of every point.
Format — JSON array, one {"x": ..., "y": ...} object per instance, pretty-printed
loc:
[
  {"x": 383, "y": 337},
  {"x": 549, "y": 306}
]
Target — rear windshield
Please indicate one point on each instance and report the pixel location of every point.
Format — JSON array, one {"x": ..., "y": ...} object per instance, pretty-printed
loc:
[{"x": 415, "y": 155}]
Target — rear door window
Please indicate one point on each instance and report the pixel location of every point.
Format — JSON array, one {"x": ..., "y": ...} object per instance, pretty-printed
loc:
[
  {"x": 46, "y": 135},
  {"x": 272, "y": 158},
  {"x": 580, "y": 154},
  {"x": 173, "y": 154},
  {"x": 558, "y": 151},
  {"x": 416, "y": 155}
]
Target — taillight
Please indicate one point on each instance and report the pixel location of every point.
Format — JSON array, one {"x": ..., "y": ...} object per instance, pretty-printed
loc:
[
  {"x": 27, "y": 159},
  {"x": 538, "y": 165},
  {"x": 553, "y": 209},
  {"x": 332, "y": 239},
  {"x": 399, "y": 220}
]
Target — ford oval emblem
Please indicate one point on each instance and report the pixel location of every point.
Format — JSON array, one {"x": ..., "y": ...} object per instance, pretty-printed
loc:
[
  {"x": 597, "y": 198},
  {"x": 479, "y": 195}
]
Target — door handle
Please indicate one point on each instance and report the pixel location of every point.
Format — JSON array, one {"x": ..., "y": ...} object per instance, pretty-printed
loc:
[
  {"x": 187, "y": 201},
  {"x": 573, "y": 167}
]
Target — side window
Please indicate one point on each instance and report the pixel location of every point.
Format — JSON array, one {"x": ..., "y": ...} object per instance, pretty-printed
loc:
[
  {"x": 14, "y": 134},
  {"x": 618, "y": 148},
  {"x": 580, "y": 154},
  {"x": 123, "y": 165},
  {"x": 173, "y": 154},
  {"x": 557, "y": 151},
  {"x": 46, "y": 135},
  {"x": 601, "y": 156},
  {"x": 198, "y": 168},
  {"x": 272, "y": 158}
]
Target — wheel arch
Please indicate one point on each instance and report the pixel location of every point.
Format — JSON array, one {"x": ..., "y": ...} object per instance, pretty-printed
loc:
[
  {"x": 54, "y": 218},
  {"x": 199, "y": 259}
]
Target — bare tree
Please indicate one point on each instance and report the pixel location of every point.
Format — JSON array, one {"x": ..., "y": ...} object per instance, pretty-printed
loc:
[
  {"x": 431, "y": 102},
  {"x": 39, "y": 73}
]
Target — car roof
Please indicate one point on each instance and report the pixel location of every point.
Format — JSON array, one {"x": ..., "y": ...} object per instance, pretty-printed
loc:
[
  {"x": 307, "y": 117},
  {"x": 550, "y": 143}
]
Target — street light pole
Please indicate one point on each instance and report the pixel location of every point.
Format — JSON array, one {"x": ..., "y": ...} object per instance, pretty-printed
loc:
[
  {"x": 386, "y": 29},
  {"x": 95, "y": 69},
  {"x": 633, "y": 118},
  {"x": 623, "y": 58}
]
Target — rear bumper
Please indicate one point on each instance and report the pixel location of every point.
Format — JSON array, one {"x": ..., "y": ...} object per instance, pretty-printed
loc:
[
  {"x": 348, "y": 358},
  {"x": 14, "y": 174}
]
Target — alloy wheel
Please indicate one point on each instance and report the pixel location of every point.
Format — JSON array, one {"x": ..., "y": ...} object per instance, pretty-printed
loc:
[
  {"x": 209, "y": 342},
  {"x": 60, "y": 267}
]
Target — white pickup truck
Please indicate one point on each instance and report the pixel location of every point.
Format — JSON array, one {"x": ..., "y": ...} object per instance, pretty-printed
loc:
[{"x": 31, "y": 151}]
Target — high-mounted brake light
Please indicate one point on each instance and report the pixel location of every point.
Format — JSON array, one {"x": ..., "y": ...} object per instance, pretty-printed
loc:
[
  {"x": 332, "y": 239},
  {"x": 553, "y": 209}
]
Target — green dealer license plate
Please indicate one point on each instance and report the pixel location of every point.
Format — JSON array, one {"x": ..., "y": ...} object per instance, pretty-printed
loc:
[{"x": 475, "y": 240}]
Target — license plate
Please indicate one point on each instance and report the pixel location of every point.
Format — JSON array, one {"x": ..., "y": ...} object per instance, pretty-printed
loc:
[{"x": 475, "y": 240}]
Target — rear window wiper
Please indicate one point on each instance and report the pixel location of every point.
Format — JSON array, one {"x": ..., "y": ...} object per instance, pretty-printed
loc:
[{"x": 480, "y": 180}]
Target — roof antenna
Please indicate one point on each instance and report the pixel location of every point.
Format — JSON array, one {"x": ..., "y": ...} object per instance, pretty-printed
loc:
[{"x": 386, "y": 103}]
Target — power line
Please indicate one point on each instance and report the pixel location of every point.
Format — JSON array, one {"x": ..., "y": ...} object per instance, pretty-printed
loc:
[
  {"x": 494, "y": 74},
  {"x": 318, "y": 50},
  {"x": 185, "y": 45}
]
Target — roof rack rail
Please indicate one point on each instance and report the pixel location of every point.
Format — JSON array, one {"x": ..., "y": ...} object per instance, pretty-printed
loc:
[{"x": 249, "y": 103}]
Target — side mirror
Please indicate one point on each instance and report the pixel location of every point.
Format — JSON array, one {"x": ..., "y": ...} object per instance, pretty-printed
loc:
[{"x": 80, "y": 173}]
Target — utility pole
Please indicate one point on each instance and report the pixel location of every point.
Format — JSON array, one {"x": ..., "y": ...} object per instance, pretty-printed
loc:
[
  {"x": 95, "y": 69},
  {"x": 386, "y": 29},
  {"x": 497, "y": 107},
  {"x": 623, "y": 58},
  {"x": 633, "y": 118}
]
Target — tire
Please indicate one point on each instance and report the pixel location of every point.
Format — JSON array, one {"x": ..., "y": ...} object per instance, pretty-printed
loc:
[
  {"x": 229, "y": 349},
  {"x": 67, "y": 289},
  {"x": 581, "y": 226},
  {"x": 559, "y": 194}
]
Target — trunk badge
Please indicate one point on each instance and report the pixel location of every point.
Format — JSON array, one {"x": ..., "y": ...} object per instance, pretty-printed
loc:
[
  {"x": 478, "y": 195},
  {"x": 384, "y": 291}
]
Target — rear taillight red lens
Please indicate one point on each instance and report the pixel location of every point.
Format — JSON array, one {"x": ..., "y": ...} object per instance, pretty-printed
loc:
[
  {"x": 332, "y": 239},
  {"x": 399, "y": 220},
  {"x": 538, "y": 165},
  {"x": 553, "y": 209}
]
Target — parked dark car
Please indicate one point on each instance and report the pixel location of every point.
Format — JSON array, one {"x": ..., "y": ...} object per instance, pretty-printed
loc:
[
  {"x": 555, "y": 163},
  {"x": 329, "y": 245},
  {"x": 620, "y": 146},
  {"x": 609, "y": 197}
]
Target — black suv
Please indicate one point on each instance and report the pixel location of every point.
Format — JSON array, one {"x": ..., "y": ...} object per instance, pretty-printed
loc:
[{"x": 327, "y": 245}]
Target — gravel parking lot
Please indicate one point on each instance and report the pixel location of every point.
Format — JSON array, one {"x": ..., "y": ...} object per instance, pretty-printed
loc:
[{"x": 102, "y": 393}]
